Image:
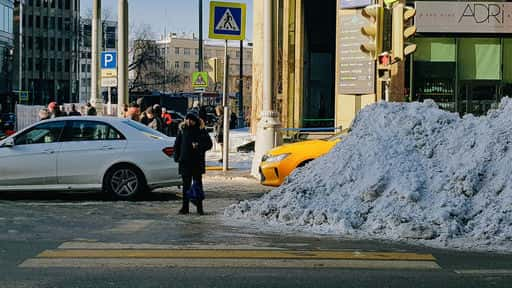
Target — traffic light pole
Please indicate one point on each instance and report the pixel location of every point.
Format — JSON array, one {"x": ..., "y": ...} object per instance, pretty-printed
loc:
[{"x": 225, "y": 135}]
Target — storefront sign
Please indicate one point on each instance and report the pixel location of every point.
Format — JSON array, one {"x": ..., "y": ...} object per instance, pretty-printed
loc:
[
  {"x": 354, "y": 3},
  {"x": 356, "y": 70},
  {"x": 463, "y": 17}
]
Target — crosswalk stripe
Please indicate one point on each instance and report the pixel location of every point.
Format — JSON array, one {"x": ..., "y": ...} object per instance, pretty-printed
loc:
[
  {"x": 234, "y": 254},
  {"x": 226, "y": 263}
]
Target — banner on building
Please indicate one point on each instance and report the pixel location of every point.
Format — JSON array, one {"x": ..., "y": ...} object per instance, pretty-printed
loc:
[{"x": 463, "y": 17}]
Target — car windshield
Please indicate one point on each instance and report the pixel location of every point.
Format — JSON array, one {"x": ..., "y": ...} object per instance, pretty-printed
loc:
[{"x": 144, "y": 129}]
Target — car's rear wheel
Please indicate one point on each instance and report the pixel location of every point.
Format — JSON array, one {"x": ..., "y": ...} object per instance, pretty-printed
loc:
[{"x": 124, "y": 182}]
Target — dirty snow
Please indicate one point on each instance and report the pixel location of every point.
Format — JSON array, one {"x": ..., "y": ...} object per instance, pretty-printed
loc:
[{"x": 407, "y": 172}]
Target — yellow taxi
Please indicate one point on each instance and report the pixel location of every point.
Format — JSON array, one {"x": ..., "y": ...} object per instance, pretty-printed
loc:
[{"x": 280, "y": 162}]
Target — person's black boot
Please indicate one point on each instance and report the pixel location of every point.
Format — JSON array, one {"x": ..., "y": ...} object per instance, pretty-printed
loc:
[
  {"x": 185, "y": 207},
  {"x": 199, "y": 205}
]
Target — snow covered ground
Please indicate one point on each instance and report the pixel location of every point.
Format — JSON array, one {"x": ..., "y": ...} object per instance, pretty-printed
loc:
[{"x": 407, "y": 172}]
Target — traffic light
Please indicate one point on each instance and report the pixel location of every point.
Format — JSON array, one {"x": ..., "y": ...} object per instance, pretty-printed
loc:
[
  {"x": 373, "y": 30},
  {"x": 214, "y": 69},
  {"x": 402, "y": 31}
]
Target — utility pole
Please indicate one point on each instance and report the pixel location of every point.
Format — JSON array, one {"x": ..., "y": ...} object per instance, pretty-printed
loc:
[
  {"x": 96, "y": 97},
  {"x": 200, "y": 35},
  {"x": 241, "y": 88},
  {"x": 122, "y": 75},
  {"x": 267, "y": 133}
]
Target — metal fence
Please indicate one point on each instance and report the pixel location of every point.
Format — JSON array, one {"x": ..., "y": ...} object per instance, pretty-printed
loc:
[{"x": 27, "y": 115}]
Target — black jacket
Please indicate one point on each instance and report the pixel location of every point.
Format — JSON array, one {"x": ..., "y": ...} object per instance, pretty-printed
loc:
[{"x": 191, "y": 161}]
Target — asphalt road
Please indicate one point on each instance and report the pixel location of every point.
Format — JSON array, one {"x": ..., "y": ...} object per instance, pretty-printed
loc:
[{"x": 86, "y": 240}]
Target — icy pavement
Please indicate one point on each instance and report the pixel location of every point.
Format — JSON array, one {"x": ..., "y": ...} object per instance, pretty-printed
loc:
[
  {"x": 239, "y": 161},
  {"x": 407, "y": 172}
]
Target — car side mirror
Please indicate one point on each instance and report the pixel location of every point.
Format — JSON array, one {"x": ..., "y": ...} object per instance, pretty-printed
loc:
[{"x": 8, "y": 143}]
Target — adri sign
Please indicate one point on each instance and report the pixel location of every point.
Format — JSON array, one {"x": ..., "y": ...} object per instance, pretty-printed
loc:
[
  {"x": 227, "y": 20},
  {"x": 463, "y": 17}
]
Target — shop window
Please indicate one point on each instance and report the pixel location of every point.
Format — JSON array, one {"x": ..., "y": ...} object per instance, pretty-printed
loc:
[
  {"x": 435, "y": 71},
  {"x": 479, "y": 59}
]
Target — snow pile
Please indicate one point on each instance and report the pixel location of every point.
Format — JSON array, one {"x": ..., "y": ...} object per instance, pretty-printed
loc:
[{"x": 407, "y": 172}]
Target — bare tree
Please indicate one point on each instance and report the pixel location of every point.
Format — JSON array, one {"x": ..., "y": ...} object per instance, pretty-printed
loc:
[
  {"x": 106, "y": 14},
  {"x": 147, "y": 65}
]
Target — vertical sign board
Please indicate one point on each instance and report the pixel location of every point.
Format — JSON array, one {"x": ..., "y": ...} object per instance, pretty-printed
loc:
[
  {"x": 227, "y": 20},
  {"x": 356, "y": 70},
  {"x": 109, "y": 69}
]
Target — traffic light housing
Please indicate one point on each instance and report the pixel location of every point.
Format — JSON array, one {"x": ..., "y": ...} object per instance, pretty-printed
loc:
[
  {"x": 402, "y": 31},
  {"x": 214, "y": 69},
  {"x": 373, "y": 30}
]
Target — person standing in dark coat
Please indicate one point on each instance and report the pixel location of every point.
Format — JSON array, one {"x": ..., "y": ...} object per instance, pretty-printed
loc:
[{"x": 190, "y": 148}]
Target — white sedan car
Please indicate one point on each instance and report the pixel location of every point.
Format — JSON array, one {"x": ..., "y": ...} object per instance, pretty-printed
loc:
[{"x": 109, "y": 154}]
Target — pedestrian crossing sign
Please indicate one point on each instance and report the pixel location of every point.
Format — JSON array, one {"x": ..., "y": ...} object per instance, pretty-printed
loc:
[
  {"x": 200, "y": 80},
  {"x": 227, "y": 20}
]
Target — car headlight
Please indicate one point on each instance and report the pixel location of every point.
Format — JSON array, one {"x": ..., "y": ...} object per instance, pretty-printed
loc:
[{"x": 275, "y": 158}]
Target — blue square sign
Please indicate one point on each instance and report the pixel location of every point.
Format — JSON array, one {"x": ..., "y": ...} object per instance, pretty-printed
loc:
[
  {"x": 109, "y": 60},
  {"x": 227, "y": 20}
]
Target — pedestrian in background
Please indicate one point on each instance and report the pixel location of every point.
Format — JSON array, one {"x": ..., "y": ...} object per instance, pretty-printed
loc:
[
  {"x": 153, "y": 121},
  {"x": 190, "y": 148},
  {"x": 166, "y": 121},
  {"x": 91, "y": 111},
  {"x": 73, "y": 111},
  {"x": 157, "y": 114},
  {"x": 133, "y": 112},
  {"x": 54, "y": 110},
  {"x": 219, "y": 127},
  {"x": 44, "y": 114},
  {"x": 63, "y": 111},
  {"x": 125, "y": 110},
  {"x": 233, "y": 120}
]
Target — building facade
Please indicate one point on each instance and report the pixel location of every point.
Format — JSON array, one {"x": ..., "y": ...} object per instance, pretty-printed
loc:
[
  {"x": 464, "y": 55},
  {"x": 6, "y": 55},
  {"x": 181, "y": 55},
  {"x": 322, "y": 79},
  {"x": 109, "y": 43},
  {"x": 50, "y": 50}
]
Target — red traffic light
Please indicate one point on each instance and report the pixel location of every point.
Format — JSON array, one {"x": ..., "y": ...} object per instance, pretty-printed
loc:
[{"x": 385, "y": 59}]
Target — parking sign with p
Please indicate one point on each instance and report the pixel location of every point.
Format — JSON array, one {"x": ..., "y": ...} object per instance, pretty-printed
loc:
[
  {"x": 108, "y": 60},
  {"x": 109, "y": 69}
]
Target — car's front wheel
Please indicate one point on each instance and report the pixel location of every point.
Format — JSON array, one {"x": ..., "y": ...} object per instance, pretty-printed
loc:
[{"x": 124, "y": 182}]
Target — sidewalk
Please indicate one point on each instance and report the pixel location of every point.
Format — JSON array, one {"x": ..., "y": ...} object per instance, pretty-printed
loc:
[{"x": 239, "y": 165}]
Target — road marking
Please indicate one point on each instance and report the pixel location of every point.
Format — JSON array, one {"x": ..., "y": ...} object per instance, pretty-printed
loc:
[
  {"x": 214, "y": 168},
  {"x": 234, "y": 254},
  {"x": 507, "y": 272},
  {"x": 226, "y": 263}
]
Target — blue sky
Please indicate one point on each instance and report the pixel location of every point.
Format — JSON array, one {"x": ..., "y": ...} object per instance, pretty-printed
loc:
[{"x": 176, "y": 15}]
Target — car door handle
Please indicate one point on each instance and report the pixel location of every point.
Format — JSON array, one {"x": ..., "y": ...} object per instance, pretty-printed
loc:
[
  {"x": 107, "y": 148},
  {"x": 49, "y": 151}
]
